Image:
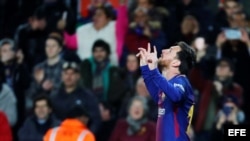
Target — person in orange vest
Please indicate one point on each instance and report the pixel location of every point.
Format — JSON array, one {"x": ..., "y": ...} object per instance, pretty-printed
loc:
[{"x": 73, "y": 128}]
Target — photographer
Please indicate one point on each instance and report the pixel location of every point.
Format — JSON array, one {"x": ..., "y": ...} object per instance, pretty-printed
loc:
[{"x": 230, "y": 113}]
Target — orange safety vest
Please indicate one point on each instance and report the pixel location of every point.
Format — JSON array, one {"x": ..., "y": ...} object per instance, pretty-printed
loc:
[{"x": 69, "y": 130}]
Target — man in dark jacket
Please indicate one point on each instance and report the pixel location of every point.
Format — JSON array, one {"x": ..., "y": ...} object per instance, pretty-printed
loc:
[
  {"x": 71, "y": 93},
  {"x": 101, "y": 77},
  {"x": 30, "y": 38},
  {"x": 37, "y": 125}
]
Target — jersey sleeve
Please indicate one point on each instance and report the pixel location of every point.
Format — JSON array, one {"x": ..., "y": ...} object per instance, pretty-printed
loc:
[
  {"x": 151, "y": 86},
  {"x": 175, "y": 92}
]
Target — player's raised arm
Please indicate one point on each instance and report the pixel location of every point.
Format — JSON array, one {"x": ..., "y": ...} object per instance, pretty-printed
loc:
[{"x": 152, "y": 88}]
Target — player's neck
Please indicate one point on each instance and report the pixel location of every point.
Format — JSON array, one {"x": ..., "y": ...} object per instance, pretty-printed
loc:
[{"x": 169, "y": 73}]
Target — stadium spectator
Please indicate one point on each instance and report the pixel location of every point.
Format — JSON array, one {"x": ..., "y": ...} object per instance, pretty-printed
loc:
[
  {"x": 69, "y": 50},
  {"x": 36, "y": 125},
  {"x": 158, "y": 14},
  {"x": 189, "y": 29},
  {"x": 90, "y": 8},
  {"x": 71, "y": 92},
  {"x": 59, "y": 17},
  {"x": 209, "y": 94},
  {"x": 238, "y": 50},
  {"x": 47, "y": 74},
  {"x": 131, "y": 73},
  {"x": 100, "y": 76},
  {"x": 30, "y": 38},
  {"x": 189, "y": 7},
  {"x": 221, "y": 18},
  {"x": 205, "y": 57},
  {"x": 103, "y": 27},
  {"x": 229, "y": 114},
  {"x": 17, "y": 75},
  {"x": 73, "y": 128},
  {"x": 140, "y": 90},
  {"x": 8, "y": 101},
  {"x": 143, "y": 30},
  {"x": 239, "y": 20},
  {"x": 229, "y": 7},
  {"x": 5, "y": 129},
  {"x": 136, "y": 126}
]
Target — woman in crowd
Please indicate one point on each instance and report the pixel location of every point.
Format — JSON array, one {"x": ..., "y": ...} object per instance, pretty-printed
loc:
[{"x": 136, "y": 127}]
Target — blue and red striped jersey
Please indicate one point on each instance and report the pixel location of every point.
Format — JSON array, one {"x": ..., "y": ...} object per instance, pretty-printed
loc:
[{"x": 175, "y": 100}]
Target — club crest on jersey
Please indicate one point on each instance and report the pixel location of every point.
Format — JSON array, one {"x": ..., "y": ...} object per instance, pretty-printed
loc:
[{"x": 161, "y": 112}]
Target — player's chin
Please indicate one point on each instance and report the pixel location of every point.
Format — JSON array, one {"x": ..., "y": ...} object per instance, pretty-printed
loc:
[{"x": 161, "y": 62}]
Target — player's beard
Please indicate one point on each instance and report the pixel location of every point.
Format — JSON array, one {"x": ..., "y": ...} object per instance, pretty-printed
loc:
[{"x": 163, "y": 63}]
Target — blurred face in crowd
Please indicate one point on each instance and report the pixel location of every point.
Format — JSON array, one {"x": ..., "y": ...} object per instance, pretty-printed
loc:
[
  {"x": 105, "y": 113},
  {"x": 140, "y": 17},
  {"x": 186, "y": 2},
  {"x": 136, "y": 110},
  {"x": 199, "y": 44},
  {"x": 223, "y": 71},
  {"x": 100, "y": 19},
  {"x": 70, "y": 77},
  {"x": 7, "y": 54},
  {"x": 238, "y": 20},
  {"x": 231, "y": 7},
  {"x": 52, "y": 48},
  {"x": 42, "y": 110},
  {"x": 141, "y": 88},
  {"x": 169, "y": 57},
  {"x": 37, "y": 24},
  {"x": 189, "y": 24},
  {"x": 100, "y": 54},
  {"x": 132, "y": 63},
  {"x": 144, "y": 4}
]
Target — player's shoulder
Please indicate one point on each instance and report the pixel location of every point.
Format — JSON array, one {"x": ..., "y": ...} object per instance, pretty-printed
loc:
[{"x": 181, "y": 81}]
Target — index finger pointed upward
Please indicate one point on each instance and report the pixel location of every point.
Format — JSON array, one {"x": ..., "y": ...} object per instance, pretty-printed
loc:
[
  {"x": 149, "y": 48},
  {"x": 155, "y": 50}
]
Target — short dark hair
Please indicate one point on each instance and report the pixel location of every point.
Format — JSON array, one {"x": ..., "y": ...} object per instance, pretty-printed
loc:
[
  {"x": 8, "y": 41},
  {"x": 39, "y": 13},
  {"x": 41, "y": 97},
  {"x": 76, "y": 111},
  {"x": 107, "y": 11},
  {"x": 230, "y": 63},
  {"x": 187, "y": 57},
  {"x": 57, "y": 39},
  {"x": 101, "y": 44}
]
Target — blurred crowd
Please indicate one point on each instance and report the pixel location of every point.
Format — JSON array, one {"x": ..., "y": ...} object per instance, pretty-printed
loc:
[{"x": 56, "y": 55}]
